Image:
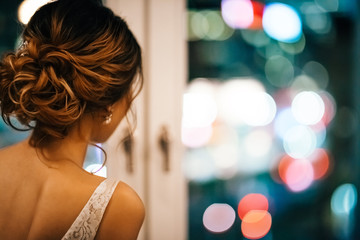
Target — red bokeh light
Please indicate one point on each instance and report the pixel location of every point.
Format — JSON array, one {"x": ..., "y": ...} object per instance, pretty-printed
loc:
[
  {"x": 258, "y": 9},
  {"x": 252, "y": 201}
]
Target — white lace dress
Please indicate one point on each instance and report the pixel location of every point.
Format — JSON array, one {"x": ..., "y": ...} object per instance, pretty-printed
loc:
[{"x": 87, "y": 223}]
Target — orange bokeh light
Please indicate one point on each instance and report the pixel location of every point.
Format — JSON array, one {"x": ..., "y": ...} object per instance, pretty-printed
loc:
[
  {"x": 252, "y": 201},
  {"x": 320, "y": 162},
  {"x": 283, "y": 166},
  {"x": 256, "y": 224}
]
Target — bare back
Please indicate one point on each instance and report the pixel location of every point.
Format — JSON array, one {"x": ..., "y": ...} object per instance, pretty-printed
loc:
[{"x": 41, "y": 202}]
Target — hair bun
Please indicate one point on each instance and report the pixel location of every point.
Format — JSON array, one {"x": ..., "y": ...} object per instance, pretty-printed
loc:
[{"x": 33, "y": 88}]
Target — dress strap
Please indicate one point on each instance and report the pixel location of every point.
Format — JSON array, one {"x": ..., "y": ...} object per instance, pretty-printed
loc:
[{"x": 87, "y": 223}]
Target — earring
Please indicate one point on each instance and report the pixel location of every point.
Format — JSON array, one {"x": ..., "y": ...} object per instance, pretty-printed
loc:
[{"x": 108, "y": 119}]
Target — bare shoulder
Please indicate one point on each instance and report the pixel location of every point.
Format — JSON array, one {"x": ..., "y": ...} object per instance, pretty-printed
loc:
[{"x": 124, "y": 215}]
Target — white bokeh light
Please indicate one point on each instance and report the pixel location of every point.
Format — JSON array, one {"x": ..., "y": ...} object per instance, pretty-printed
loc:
[
  {"x": 196, "y": 137},
  {"x": 282, "y": 22},
  {"x": 234, "y": 99},
  {"x": 28, "y": 7},
  {"x": 219, "y": 217},
  {"x": 260, "y": 109},
  {"x": 199, "y": 110},
  {"x": 237, "y": 13},
  {"x": 308, "y": 107},
  {"x": 299, "y": 141},
  {"x": 258, "y": 143},
  {"x": 284, "y": 121}
]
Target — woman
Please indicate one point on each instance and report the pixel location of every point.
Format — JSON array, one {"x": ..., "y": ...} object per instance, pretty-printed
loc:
[{"x": 71, "y": 82}]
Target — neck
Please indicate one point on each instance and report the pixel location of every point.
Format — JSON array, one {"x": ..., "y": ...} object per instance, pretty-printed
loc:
[{"x": 72, "y": 148}]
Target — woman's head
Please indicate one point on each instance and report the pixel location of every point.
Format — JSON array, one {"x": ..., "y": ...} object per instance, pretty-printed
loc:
[{"x": 77, "y": 58}]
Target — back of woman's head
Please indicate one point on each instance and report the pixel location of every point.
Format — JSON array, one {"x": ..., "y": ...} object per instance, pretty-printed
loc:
[{"x": 77, "y": 57}]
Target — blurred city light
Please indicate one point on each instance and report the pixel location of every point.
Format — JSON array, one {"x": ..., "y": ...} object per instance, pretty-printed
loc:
[
  {"x": 317, "y": 72},
  {"x": 344, "y": 199},
  {"x": 207, "y": 25},
  {"x": 237, "y": 13},
  {"x": 258, "y": 9},
  {"x": 235, "y": 98},
  {"x": 256, "y": 224},
  {"x": 255, "y": 38},
  {"x": 308, "y": 107},
  {"x": 328, "y": 5},
  {"x": 218, "y": 217},
  {"x": 304, "y": 82},
  {"x": 28, "y": 7},
  {"x": 195, "y": 137},
  {"x": 252, "y": 201},
  {"x": 199, "y": 110},
  {"x": 315, "y": 18},
  {"x": 299, "y": 141},
  {"x": 258, "y": 143},
  {"x": 320, "y": 161},
  {"x": 283, "y": 122},
  {"x": 279, "y": 71},
  {"x": 295, "y": 47},
  {"x": 282, "y": 22},
  {"x": 198, "y": 166},
  {"x": 260, "y": 109},
  {"x": 299, "y": 175}
]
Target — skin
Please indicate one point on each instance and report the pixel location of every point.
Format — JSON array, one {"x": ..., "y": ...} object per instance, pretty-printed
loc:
[{"x": 42, "y": 192}]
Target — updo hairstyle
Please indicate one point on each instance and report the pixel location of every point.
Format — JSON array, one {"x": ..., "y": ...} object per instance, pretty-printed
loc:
[{"x": 77, "y": 57}]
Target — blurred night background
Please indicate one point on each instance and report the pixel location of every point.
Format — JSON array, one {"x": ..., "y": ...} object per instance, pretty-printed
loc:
[{"x": 270, "y": 117}]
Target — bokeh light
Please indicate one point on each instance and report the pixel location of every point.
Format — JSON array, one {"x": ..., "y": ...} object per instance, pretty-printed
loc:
[
  {"x": 344, "y": 199},
  {"x": 330, "y": 107},
  {"x": 259, "y": 110},
  {"x": 28, "y": 7},
  {"x": 225, "y": 155},
  {"x": 295, "y": 47},
  {"x": 252, "y": 201},
  {"x": 199, "y": 110},
  {"x": 282, "y": 22},
  {"x": 279, "y": 71},
  {"x": 194, "y": 137},
  {"x": 255, "y": 38},
  {"x": 234, "y": 99},
  {"x": 207, "y": 25},
  {"x": 284, "y": 121},
  {"x": 308, "y": 107},
  {"x": 315, "y": 18},
  {"x": 198, "y": 166},
  {"x": 328, "y": 5},
  {"x": 317, "y": 72},
  {"x": 258, "y": 8},
  {"x": 258, "y": 143},
  {"x": 256, "y": 224},
  {"x": 237, "y": 13},
  {"x": 218, "y": 217},
  {"x": 304, "y": 82},
  {"x": 299, "y": 175},
  {"x": 299, "y": 141},
  {"x": 320, "y": 161}
]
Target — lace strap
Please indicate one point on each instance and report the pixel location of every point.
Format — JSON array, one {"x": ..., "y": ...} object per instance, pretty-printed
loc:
[{"x": 87, "y": 223}]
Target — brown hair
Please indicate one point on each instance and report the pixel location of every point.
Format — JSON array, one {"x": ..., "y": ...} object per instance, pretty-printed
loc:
[{"x": 77, "y": 57}]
